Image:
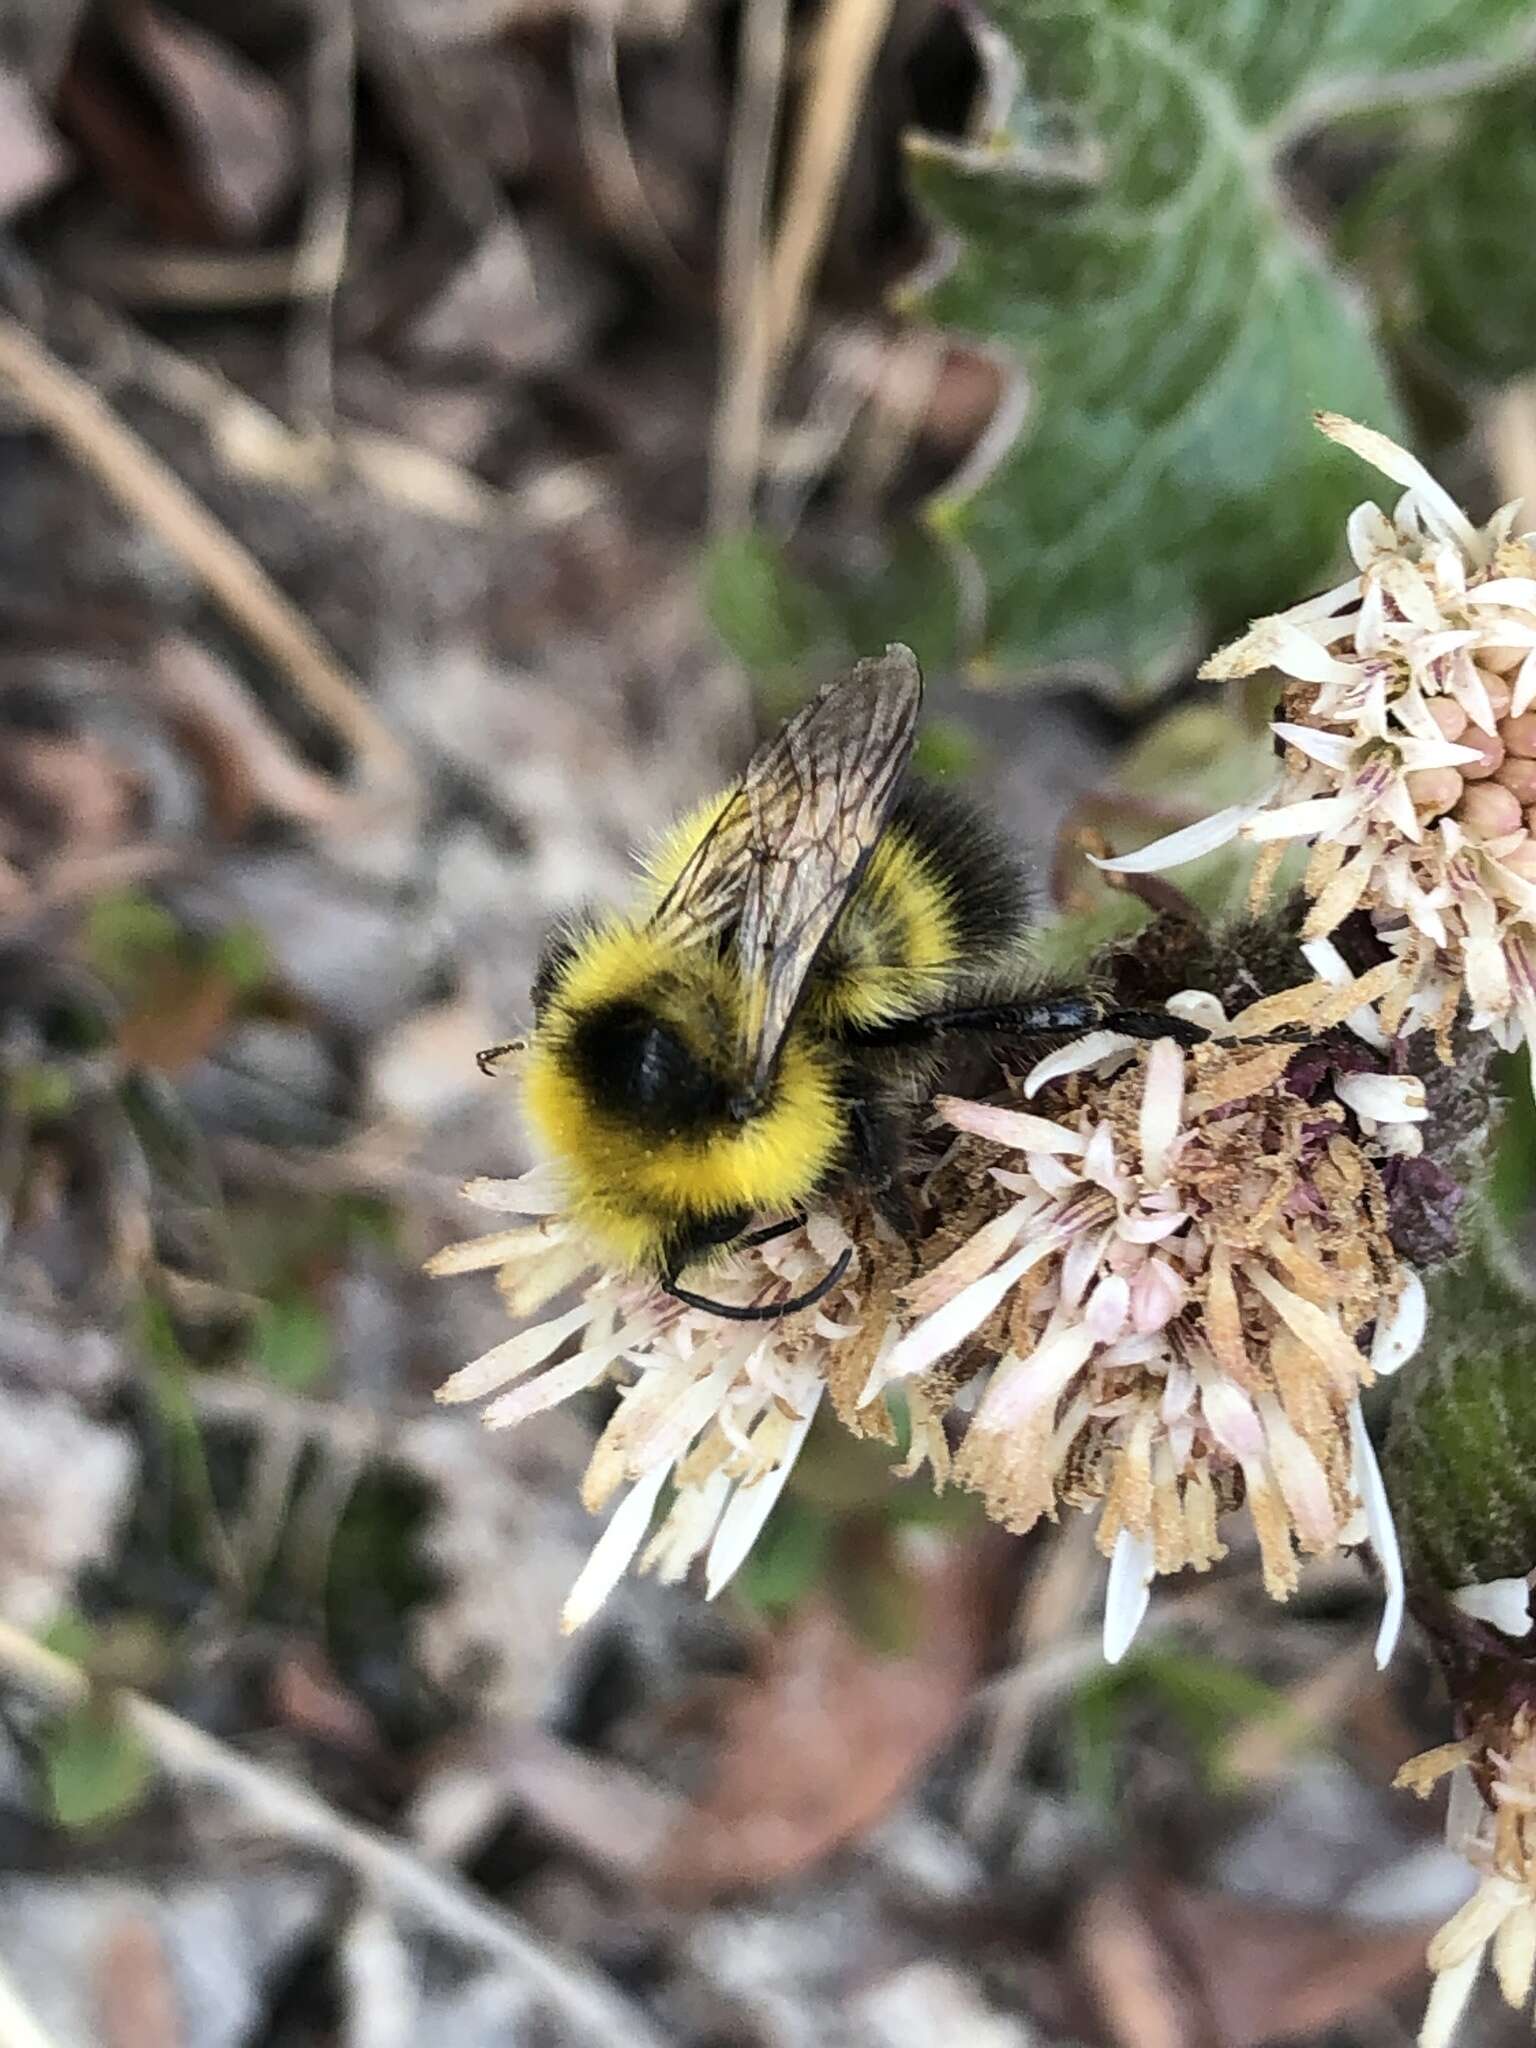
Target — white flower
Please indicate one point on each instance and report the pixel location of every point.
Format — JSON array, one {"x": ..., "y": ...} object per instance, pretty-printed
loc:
[
  {"x": 714, "y": 1409},
  {"x": 1503, "y": 1603},
  {"x": 1170, "y": 1285},
  {"x": 1491, "y": 1820},
  {"x": 1409, "y": 734}
]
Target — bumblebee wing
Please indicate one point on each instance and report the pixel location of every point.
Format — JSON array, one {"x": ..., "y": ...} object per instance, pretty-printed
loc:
[{"x": 788, "y": 847}]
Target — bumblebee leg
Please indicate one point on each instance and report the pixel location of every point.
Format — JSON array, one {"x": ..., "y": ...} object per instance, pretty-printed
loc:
[
  {"x": 769, "y": 1232},
  {"x": 762, "y": 1311},
  {"x": 1040, "y": 1017}
]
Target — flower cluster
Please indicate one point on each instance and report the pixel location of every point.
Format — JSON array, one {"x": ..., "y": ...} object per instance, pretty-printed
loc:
[
  {"x": 1163, "y": 1298},
  {"x": 1491, "y": 1820},
  {"x": 712, "y": 1410},
  {"x": 1173, "y": 1283},
  {"x": 1408, "y": 732}
]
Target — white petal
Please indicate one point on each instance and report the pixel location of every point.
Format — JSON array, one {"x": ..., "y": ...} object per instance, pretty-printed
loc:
[
  {"x": 1329, "y": 964},
  {"x": 1013, "y": 1127},
  {"x": 1219, "y": 829},
  {"x": 1397, "y": 804},
  {"x": 1162, "y": 1108},
  {"x": 1504, "y": 1603},
  {"x": 750, "y": 1507},
  {"x": 1383, "y": 1531},
  {"x": 1021, "y": 1386},
  {"x": 669, "y": 1423},
  {"x": 1080, "y": 1265},
  {"x": 929, "y": 1341},
  {"x": 1151, "y": 1227},
  {"x": 534, "y": 1242},
  {"x": 561, "y": 1381},
  {"x": 1514, "y": 1954},
  {"x": 1197, "y": 1006},
  {"x": 1044, "y": 1171},
  {"x": 539, "y": 1192},
  {"x": 1435, "y": 502},
  {"x": 1416, "y": 754},
  {"x": 1107, "y": 1308},
  {"x": 1306, "y": 820},
  {"x": 1231, "y": 1417},
  {"x": 513, "y": 1357},
  {"x": 1131, "y": 1569},
  {"x": 1319, "y": 611},
  {"x": 1071, "y": 1059},
  {"x": 1298, "y": 653},
  {"x": 1332, "y": 749},
  {"x": 1471, "y": 693},
  {"x": 1515, "y": 590},
  {"x": 1385, "y": 1098},
  {"x": 1099, "y": 1161},
  {"x": 1399, "y": 1336},
  {"x": 1369, "y": 533},
  {"x": 686, "y": 1528},
  {"x": 1157, "y": 1295},
  {"x": 1299, "y": 1475},
  {"x": 1448, "y": 1997},
  {"x": 530, "y": 1280},
  {"x": 614, "y": 1549}
]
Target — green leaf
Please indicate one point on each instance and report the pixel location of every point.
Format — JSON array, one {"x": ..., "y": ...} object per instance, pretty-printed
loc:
[
  {"x": 1446, "y": 234},
  {"x": 1125, "y": 233},
  {"x": 96, "y": 1765}
]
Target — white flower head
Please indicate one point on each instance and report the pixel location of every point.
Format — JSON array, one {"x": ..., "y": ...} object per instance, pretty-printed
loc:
[
  {"x": 1408, "y": 736},
  {"x": 713, "y": 1409},
  {"x": 1164, "y": 1302},
  {"x": 1491, "y": 1820}
]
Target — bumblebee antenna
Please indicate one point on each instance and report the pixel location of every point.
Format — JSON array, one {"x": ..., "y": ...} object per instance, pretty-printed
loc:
[{"x": 763, "y": 1311}]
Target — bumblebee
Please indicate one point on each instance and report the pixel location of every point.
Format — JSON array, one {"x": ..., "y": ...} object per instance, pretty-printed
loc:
[{"x": 757, "y": 1030}]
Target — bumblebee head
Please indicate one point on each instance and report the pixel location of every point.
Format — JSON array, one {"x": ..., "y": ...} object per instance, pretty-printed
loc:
[
  {"x": 632, "y": 1082},
  {"x": 638, "y": 1066}
]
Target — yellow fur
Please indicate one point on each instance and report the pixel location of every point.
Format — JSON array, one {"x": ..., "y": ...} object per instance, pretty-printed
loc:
[
  {"x": 895, "y": 947},
  {"x": 665, "y": 860},
  {"x": 631, "y": 1188}
]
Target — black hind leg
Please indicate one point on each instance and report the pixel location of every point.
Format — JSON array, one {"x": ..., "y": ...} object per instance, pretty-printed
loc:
[{"x": 1059, "y": 1016}]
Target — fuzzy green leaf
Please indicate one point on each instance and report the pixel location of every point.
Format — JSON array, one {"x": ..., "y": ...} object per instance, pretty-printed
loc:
[
  {"x": 1125, "y": 232},
  {"x": 1178, "y": 326},
  {"x": 1461, "y": 1450}
]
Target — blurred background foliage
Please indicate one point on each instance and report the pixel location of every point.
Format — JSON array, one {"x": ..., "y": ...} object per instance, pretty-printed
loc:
[{"x": 435, "y": 437}]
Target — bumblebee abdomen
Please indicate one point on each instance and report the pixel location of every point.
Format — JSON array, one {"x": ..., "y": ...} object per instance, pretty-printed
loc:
[{"x": 943, "y": 905}]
